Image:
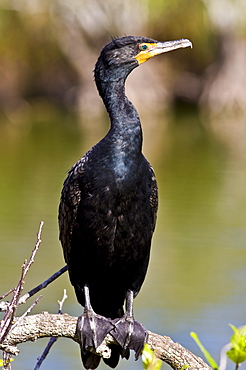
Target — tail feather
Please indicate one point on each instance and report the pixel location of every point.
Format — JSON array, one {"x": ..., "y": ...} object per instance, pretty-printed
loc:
[
  {"x": 116, "y": 352},
  {"x": 113, "y": 360},
  {"x": 90, "y": 360}
]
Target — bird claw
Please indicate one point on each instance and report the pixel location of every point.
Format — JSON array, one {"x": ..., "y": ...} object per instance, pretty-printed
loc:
[
  {"x": 129, "y": 333},
  {"x": 92, "y": 329}
]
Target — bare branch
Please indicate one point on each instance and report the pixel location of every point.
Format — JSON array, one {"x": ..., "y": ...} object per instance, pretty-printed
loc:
[
  {"x": 28, "y": 264},
  {"x": 45, "y": 352},
  {"x": 43, "y": 285},
  {"x": 57, "y": 325},
  {"x": 6, "y": 294},
  {"x": 9, "y": 316},
  {"x": 10, "y": 313}
]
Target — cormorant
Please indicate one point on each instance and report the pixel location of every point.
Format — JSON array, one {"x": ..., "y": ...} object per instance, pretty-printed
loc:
[{"x": 108, "y": 209}]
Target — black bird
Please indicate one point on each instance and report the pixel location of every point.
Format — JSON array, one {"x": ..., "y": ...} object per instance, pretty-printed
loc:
[{"x": 108, "y": 209}]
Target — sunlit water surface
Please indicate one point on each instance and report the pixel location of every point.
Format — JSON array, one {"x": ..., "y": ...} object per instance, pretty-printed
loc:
[{"x": 196, "y": 278}]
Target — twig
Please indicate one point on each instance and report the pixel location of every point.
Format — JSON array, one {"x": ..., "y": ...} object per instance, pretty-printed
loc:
[
  {"x": 26, "y": 312},
  {"x": 9, "y": 316},
  {"x": 38, "y": 242},
  {"x": 6, "y": 294},
  {"x": 52, "y": 339},
  {"x": 45, "y": 353},
  {"x": 43, "y": 285},
  {"x": 61, "y": 303},
  {"x": 10, "y": 313},
  {"x": 4, "y": 305}
]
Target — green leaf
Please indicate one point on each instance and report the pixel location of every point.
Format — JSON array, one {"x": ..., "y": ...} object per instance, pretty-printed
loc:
[
  {"x": 207, "y": 355},
  {"x": 150, "y": 361},
  {"x": 237, "y": 353}
]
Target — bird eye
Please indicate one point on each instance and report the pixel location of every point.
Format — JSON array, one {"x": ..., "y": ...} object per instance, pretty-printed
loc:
[{"x": 143, "y": 47}]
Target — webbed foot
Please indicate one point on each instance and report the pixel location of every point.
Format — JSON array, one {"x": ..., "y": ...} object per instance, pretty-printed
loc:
[
  {"x": 92, "y": 329},
  {"x": 129, "y": 333}
]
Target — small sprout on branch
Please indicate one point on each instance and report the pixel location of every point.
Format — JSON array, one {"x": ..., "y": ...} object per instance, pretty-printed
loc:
[
  {"x": 237, "y": 351},
  {"x": 150, "y": 361},
  {"x": 60, "y": 303}
]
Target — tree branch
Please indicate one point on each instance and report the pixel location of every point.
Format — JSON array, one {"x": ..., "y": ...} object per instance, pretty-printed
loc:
[{"x": 44, "y": 324}]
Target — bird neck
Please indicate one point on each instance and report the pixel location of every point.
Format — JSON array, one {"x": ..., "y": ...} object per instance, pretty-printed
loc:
[{"x": 125, "y": 122}]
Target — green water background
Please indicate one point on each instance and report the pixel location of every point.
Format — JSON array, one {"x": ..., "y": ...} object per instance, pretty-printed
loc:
[{"x": 196, "y": 278}]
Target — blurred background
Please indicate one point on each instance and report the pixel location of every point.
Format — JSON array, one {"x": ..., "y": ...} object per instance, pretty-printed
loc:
[{"x": 192, "y": 103}]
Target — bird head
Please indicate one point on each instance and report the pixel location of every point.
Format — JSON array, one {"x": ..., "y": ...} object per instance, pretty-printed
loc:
[
  {"x": 133, "y": 50},
  {"x": 122, "y": 55}
]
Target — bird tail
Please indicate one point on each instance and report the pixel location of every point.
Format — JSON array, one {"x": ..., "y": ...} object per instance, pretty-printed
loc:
[
  {"x": 91, "y": 361},
  {"x": 116, "y": 352}
]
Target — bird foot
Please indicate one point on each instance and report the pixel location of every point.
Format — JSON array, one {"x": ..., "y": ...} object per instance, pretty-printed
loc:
[
  {"x": 92, "y": 329},
  {"x": 129, "y": 333}
]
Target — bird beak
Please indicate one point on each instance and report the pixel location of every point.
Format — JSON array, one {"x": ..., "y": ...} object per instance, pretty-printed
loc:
[{"x": 149, "y": 50}]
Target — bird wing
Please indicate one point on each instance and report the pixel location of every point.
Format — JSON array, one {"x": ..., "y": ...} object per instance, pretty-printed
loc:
[
  {"x": 70, "y": 200},
  {"x": 153, "y": 197}
]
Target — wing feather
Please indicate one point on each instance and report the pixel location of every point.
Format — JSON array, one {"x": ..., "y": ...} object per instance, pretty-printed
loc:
[
  {"x": 70, "y": 200},
  {"x": 153, "y": 197}
]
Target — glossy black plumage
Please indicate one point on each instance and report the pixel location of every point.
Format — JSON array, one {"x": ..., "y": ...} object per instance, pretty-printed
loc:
[{"x": 108, "y": 208}]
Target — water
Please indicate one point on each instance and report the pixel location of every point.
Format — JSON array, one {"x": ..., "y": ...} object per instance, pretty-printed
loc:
[{"x": 196, "y": 279}]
